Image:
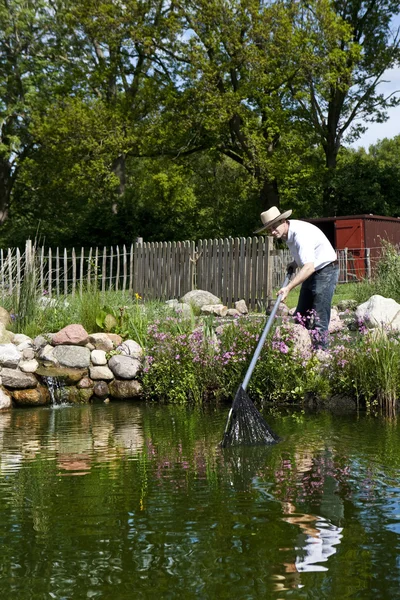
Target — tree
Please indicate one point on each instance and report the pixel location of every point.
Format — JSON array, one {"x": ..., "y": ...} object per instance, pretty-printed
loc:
[
  {"x": 350, "y": 50},
  {"x": 27, "y": 76},
  {"x": 233, "y": 61}
]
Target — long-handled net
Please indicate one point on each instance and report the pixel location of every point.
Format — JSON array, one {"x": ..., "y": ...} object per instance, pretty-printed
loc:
[{"x": 245, "y": 425}]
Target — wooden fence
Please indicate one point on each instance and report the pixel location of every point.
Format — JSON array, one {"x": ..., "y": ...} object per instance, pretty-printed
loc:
[{"x": 230, "y": 268}]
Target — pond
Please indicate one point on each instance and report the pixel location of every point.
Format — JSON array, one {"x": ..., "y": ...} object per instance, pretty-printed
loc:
[{"x": 137, "y": 501}]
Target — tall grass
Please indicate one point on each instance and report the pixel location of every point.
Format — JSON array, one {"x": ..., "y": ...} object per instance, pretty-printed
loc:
[{"x": 386, "y": 279}]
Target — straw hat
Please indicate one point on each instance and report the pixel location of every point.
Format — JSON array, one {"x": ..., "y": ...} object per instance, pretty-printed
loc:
[{"x": 272, "y": 216}]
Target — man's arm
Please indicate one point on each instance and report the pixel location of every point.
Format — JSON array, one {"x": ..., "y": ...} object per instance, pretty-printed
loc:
[{"x": 304, "y": 273}]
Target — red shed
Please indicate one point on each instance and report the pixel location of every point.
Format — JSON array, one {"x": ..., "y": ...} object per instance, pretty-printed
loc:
[{"x": 358, "y": 233}]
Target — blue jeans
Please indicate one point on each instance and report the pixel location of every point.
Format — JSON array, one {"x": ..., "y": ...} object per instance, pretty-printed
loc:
[{"x": 315, "y": 301}]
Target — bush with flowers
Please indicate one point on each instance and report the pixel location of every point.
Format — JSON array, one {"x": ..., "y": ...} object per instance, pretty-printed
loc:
[{"x": 184, "y": 364}]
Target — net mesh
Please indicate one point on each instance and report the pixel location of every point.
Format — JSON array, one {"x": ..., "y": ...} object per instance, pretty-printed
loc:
[{"x": 245, "y": 425}]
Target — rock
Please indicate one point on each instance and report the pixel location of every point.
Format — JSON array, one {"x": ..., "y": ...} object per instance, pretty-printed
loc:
[
  {"x": 378, "y": 311},
  {"x": 241, "y": 307},
  {"x": 9, "y": 356},
  {"x": 219, "y": 310},
  {"x": 172, "y": 303},
  {"x": 115, "y": 338},
  {"x": 125, "y": 389},
  {"x": 76, "y": 357},
  {"x": 6, "y": 337},
  {"x": 63, "y": 374},
  {"x": 283, "y": 310},
  {"x": 5, "y": 399},
  {"x": 335, "y": 324},
  {"x": 97, "y": 373},
  {"x": 232, "y": 312},
  {"x": 46, "y": 354},
  {"x": 14, "y": 379},
  {"x": 5, "y": 317},
  {"x": 20, "y": 338},
  {"x": 29, "y": 366},
  {"x": 41, "y": 341},
  {"x": 85, "y": 383},
  {"x": 131, "y": 348},
  {"x": 76, "y": 395},
  {"x": 23, "y": 346},
  {"x": 344, "y": 305},
  {"x": 28, "y": 353},
  {"x": 299, "y": 337},
  {"x": 39, "y": 396},
  {"x": 100, "y": 390},
  {"x": 184, "y": 310},
  {"x": 73, "y": 334},
  {"x": 199, "y": 298},
  {"x": 124, "y": 367},
  {"x": 101, "y": 341},
  {"x": 98, "y": 357}
]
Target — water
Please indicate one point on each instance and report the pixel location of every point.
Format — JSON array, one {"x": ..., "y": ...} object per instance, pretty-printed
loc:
[{"x": 131, "y": 501}]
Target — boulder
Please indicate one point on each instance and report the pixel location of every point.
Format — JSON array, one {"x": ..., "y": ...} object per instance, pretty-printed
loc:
[
  {"x": 73, "y": 334},
  {"x": 378, "y": 311},
  {"x": 85, "y": 383},
  {"x": 125, "y": 389},
  {"x": 6, "y": 337},
  {"x": 29, "y": 366},
  {"x": 101, "y": 341},
  {"x": 100, "y": 390},
  {"x": 98, "y": 357},
  {"x": 335, "y": 324},
  {"x": 9, "y": 356},
  {"x": 39, "y": 396},
  {"x": 299, "y": 337},
  {"x": 200, "y": 298},
  {"x": 131, "y": 348},
  {"x": 5, "y": 399},
  {"x": 98, "y": 373},
  {"x": 124, "y": 367},
  {"x": 219, "y": 310},
  {"x": 241, "y": 307},
  {"x": 5, "y": 317},
  {"x": 15, "y": 379},
  {"x": 76, "y": 357},
  {"x": 63, "y": 374}
]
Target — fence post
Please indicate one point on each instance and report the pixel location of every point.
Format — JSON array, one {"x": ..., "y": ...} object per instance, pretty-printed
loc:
[
  {"x": 270, "y": 265},
  {"x": 368, "y": 262}
]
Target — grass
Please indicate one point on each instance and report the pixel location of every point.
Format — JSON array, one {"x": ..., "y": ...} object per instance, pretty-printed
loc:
[{"x": 344, "y": 291}]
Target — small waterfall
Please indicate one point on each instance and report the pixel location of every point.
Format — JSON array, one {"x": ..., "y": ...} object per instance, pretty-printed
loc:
[{"x": 56, "y": 388}]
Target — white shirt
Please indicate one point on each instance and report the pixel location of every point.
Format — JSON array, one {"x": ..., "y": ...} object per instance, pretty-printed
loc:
[{"x": 308, "y": 244}]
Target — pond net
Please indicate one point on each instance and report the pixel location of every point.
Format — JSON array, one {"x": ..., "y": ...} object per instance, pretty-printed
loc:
[{"x": 245, "y": 425}]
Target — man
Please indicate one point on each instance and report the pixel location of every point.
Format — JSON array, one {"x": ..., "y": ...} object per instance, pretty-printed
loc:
[{"x": 319, "y": 270}]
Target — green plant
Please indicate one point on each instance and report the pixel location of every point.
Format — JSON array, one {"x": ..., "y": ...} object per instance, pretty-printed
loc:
[{"x": 386, "y": 279}]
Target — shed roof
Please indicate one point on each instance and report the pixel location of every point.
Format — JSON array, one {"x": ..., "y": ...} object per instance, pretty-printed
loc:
[{"x": 368, "y": 217}]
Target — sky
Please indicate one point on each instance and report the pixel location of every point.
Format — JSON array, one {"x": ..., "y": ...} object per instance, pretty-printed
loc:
[{"x": 391, "y": 128}]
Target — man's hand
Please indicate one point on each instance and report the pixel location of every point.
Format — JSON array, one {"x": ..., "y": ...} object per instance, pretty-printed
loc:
[{"x": 285, "y": 292}]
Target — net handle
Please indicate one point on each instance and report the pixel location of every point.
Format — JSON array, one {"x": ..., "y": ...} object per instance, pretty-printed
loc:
[{"x": 266, "y": 331}]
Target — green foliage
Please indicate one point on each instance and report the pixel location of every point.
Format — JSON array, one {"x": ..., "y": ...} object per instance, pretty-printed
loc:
[
  {"x": 368, "y": 369},
  {"x": 386, "y": 279}
]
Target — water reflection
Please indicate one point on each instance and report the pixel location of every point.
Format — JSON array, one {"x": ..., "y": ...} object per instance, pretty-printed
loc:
[
  {"x": 317, "y": 541},
  {"x": 96, "y": 437},
  {"x": 130, "y": 500}
]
